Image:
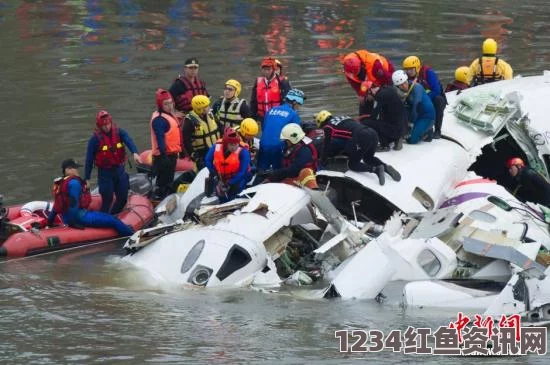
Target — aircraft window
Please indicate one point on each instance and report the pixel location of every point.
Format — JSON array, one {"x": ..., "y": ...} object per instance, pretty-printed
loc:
[
  {"x": 192, "y": 256},
  {"x": 423, "y": 197},
  {"x": 480, "y": 215},
  {"x": 429, "y": 262},
  {"x": 236, "y": 259}
]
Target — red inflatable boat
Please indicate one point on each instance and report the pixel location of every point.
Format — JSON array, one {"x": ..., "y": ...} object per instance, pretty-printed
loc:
[
  {"x": 23, "y": 230},
  {"x": 183, "y": 164}
]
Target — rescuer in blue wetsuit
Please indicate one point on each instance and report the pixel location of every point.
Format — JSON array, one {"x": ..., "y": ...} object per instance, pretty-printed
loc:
[
  {"x": 270, "y": 154},
  {"x": 421, "y": 108},
  {"x": 72, "y": 198},
  {"x": 106, "y": 149}
]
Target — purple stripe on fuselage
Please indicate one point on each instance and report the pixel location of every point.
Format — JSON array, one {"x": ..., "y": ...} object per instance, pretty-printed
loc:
[{"x": 459, "y": 199}]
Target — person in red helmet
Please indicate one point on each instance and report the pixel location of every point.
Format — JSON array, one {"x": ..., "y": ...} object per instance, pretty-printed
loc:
[
  {"x": 106, "y": 150},
  {"x": 229, "y": 165},
  {"x": 188, "y": 85},
  {"x": 363, "y": 66},
  {"x": 166, "y": 142},
  {"x": 531, "y": 186},
  {"x": 268, "y": 91}
]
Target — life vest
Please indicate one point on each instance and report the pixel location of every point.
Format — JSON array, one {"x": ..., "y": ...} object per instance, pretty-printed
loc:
[
  {"x": 60, "y": 192},
  {"x": 291, "y": 155},
  {"x": 317, "y": 137},
  {"x": 226, "y": 167},
  {"x": 487, "y": 70},
  {"x": 267, "y": 96},
  {"x": 367, "y": 61},
  {"x": 335, "y": 132},
  {"x": 172, "y": 138},
  {"x": 205, "y": 133},
  {"x": 456, "y": 85},
  {"x": 230, "y": 117},
  {"x": 183, "y": 101},
  {"x": 110, "y": 151}
]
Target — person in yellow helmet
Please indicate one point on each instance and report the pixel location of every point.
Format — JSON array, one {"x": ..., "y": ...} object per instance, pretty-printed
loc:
[
  {"x": 200, "y": 130},
  {"x": 249, "y": 129},
  {"x": 230, "y": 110},
  {"x": 489, "y": 67},
  {"x": 462, "y": 79}
]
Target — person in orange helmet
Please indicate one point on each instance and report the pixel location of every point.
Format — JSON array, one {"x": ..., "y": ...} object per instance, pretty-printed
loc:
[
  {"x": 531, "y": 186},
  {"x": 361, "y": 67}
]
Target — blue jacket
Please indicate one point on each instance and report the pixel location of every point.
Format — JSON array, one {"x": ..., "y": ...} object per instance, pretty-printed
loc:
[
  {"x": 244, "y": 159},
  {"x": 93, "y": 144},
  {"x": 419, "y": 104},
  {"x": 274, "y": 122},
  {"x": 433, "y": 82}
]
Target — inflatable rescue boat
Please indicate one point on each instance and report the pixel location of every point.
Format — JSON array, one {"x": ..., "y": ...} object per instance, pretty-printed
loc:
[{"x": 24, "y": 231}]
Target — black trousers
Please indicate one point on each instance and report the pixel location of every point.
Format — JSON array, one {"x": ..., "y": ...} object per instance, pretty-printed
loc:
[
  {"x": 362, "y": 146},
  {"x": 164, "y": 168},
  {"x": 439, "y": 104},
  {"x": 386, "y": 132}
]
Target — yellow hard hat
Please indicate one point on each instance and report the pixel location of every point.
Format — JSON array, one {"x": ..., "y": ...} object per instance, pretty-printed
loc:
[
  {"x": 249, "y": 127},
  {"x": 199, "y": 103},
  {"x": 234, "y": 84},
  {"x": 322, "y": 116},
  {"x": 462, "y": 74},
  {"x": 489, "y": 46},
  {"x": 412, "y": 62}
]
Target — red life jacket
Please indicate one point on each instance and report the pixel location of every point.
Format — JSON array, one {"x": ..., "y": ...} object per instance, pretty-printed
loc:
[
  {"x": 267, "y": 96},
  {"x": 60, "y": 192},
  {"x": 456, "y": 85},
  {"x": 305, "y": 143},
  {"x": 183, "y": 101},
  {"x": 422, "y": 77},
  {"x": 110, "y": 151},
  {"x": 226, "y": 167}
]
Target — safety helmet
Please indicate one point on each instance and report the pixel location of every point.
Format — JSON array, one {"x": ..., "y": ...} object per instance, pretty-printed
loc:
[
  {"x": 234, "y": 84},
  {"x": 352, "y": 66},
  {"x": 462, "y": 74},
  {"x": 296, "y": 95},
  {"x": 292, "y": 132},
  {"x": 230, "y": 136},
  {"x": 489, "y": 46},
  {"x": 278, "y": 64},
  {"x": 162, "y": 95},
  {"x": 268, "y": 62},
  {"x": 322, "y": 116},
  {"x": 249, "y": 127},
  {"x": 199, "y": 103},
  {"x": 399, "y": 77},
  {"x": 103, "y": 118},
  {"x": 515, "y": 161},
  {"x": 412, "y": 62}
]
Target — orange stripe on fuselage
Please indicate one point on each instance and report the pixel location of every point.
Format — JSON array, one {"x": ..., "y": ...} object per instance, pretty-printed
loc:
[{"x": 475, "y": 181}]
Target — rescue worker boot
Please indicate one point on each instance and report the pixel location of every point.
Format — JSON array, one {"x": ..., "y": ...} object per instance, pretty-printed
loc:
[
  {"x": 437, "y": 134},
  {"x": 395, "y": 175},
  {"x": 380, "y": 172},
  {"x": 428, "y": 136},
  {"x": 383, "y": 149},
  {"x": 398, "y": 145}
]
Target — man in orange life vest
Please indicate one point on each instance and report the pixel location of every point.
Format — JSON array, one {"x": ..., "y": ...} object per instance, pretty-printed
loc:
[
  {"x": 188, "y": 85},
  {"x": 72, "y": 198},
  {"x": 363, "y": 66},
  {"x": 268, "y": 91},
  {"x": 299, "y": 161},
  {"x": 489, "y": 67},
  {"x": 166, "y": 141},
  {"x": 106, "y": 150},
  {"x": 229, "y": 162}
]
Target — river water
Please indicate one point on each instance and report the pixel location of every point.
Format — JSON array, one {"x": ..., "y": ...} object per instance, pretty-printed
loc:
[{"x": 64, "y": 60}]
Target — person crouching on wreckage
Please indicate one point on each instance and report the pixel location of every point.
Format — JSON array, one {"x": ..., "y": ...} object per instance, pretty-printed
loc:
[
  {"x": 299, "y": 160},
  {"x": 229, "y": 164},
  {"x": 358, "y": 141}
]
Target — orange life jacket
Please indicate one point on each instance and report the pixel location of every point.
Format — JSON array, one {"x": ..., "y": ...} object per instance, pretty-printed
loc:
[
  {"x": 110, "y": 151},
  {"x": 226, "y": 167},
  {"x": 183, "y": 101},
  {"x": 487, "y": 70},
  {"x": 367, "y": 60},
  {"x": 60, "y": 192},
  {"x": 172, "y": 138},
  {"x": 267, "y": 96}
]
